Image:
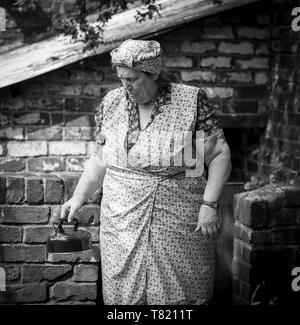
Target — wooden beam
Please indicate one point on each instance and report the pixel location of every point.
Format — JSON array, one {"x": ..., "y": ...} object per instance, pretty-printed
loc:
[{"x": 35, "y": 59}]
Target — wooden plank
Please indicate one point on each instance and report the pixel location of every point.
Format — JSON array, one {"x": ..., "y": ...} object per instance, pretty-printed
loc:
[{"x": 35, "y": 59}]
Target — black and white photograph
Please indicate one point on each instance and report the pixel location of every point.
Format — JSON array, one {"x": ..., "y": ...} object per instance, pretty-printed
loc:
[{"x": 149, "y": 155}]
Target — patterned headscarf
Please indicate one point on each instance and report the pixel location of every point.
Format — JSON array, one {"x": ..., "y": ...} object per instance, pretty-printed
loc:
[{"x": 138, "y": 55}]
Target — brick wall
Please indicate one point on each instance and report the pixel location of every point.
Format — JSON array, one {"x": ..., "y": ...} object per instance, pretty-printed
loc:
[
  {"x": 29, "y": 208},
  {"x": 279, "y": 157},
  {"x": 47, "y": 122},
  {"x": 266, "y": 244}
]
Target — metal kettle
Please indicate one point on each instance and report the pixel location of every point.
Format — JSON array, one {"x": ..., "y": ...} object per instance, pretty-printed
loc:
[{"x": 71, "y": 240}]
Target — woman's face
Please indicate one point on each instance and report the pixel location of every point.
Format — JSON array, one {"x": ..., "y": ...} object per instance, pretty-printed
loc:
[{"x": 140, "y": 87}]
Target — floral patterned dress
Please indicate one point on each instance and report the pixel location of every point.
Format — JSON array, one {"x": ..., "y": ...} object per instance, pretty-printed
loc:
[{"x": 150, "y": 253}]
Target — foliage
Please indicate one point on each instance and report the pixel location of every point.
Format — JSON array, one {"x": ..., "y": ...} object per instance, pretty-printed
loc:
[{"x": 76, "y": 23}]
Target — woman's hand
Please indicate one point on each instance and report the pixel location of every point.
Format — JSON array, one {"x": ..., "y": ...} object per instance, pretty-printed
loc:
[
  {"x": 70, "y": 208},
  {"x": 209, "y": 221}
]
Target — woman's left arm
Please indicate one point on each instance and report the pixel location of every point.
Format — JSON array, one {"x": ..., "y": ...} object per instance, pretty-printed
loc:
[{"x": 218, "y": 159}]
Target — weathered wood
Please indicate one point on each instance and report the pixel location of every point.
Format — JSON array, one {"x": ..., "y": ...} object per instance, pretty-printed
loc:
[{"x": 35, "y": 59}]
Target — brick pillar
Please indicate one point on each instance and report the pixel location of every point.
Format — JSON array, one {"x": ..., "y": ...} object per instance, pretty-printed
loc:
[{"x": 266, "y": 243}]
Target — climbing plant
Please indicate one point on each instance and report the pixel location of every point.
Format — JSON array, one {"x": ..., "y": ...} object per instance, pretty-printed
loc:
[{"x": 76, "y": 23}]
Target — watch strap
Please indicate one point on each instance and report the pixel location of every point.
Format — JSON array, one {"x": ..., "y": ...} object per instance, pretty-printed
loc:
[{"x": 212, "y": 204}]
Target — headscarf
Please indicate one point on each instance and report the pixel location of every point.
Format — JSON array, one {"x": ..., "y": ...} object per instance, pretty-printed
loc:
[{"x": 139, "y": 55}]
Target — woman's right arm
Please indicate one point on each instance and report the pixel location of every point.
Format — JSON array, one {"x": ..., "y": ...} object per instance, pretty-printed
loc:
[{"x": 90, "y": 180}]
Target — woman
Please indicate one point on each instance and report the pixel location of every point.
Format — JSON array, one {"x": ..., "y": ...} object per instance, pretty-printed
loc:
[{"x": 158, "y": 221}]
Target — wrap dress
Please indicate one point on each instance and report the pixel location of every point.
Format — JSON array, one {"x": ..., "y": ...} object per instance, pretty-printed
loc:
[{"x": 150, "y": 254}]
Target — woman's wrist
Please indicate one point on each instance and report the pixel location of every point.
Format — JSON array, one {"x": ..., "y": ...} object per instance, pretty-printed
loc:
[{"x": 79, "y": 197}]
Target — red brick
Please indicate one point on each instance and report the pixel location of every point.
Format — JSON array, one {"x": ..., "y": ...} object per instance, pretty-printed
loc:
[
  {"x": 46, "y": 164},
  {"x": 15, "y": 190},
  {"x": 254, "y": 63},
  {"x": 70, "y": 183},
  {"x": 35, "y": 292},
  {"x": 215, "y": 62},
  {"x": 249, "y": 236},
  {"x": 10, "y": 234},
  {"x": 255, "y": 208},
  {"x": 284, "y": 46},
  {"x": 44, "y": 103},
  {"x": 219, "y": 92},
  {"x": 12, "y": 104},
  {"x": 32, "y": 89},
  {"x": 256, "y": 33},
  {"x": 201, "y": 76},
  {"x": 235, "y": 77},
  {"x": 250, "y": 92},
  {"x": 32, "y": 118},
  {"x": 240, "y": 270},
  {"x": 64, "y": 148},
  {"x": 37, "y": 234},
  {"x": 12, "y": 164},
  {"x": 75, "y": 164},
  {"x": 179, "y": 61},
  {"x": 2, "y": 189},
  {"x": 50, "y": 272},
  {"x": 12, "y": 133},
  {"x": 70, "y": 90},
  {"x": 5, "y": 118},
  {"x": 79, "y": 120},
  {"x": 76, "y": 291},
  {"x": 239, "y": 48},
  {"x": 78, "y": 133},
  {"x": 217, "y": 33},
  {"x": 91, "y": 90},
  {"x": 57, "y": 119},
  {"x": 23, "y": 253},
  {"x": 197, "y": 47},
  {"x": 54, "y": 190},
  {"x": 13, "y": 272},
  {"x": 34, "y": 191},
  {"x": 25, "y": 214},
  {"x": 80, "y": 104},
  {"x": 38, "y": 133},
  {"x": 85, "y": 273},
  {"x": 28, "y": 148}
]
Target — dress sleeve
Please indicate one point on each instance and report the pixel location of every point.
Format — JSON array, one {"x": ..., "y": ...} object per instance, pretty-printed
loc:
[
  {"x": 100, "y": 140},
  {"x": 207, "y": 120}
]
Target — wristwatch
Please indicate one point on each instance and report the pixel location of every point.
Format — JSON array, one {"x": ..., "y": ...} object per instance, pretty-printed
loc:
[{"x": 212, "y": 204}]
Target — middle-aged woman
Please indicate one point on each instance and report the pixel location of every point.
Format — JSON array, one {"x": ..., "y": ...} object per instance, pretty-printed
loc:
[{"x": 159, "y": 220}]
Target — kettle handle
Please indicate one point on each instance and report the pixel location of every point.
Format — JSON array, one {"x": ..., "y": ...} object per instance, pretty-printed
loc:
[{"x": 60, "y": 229}]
